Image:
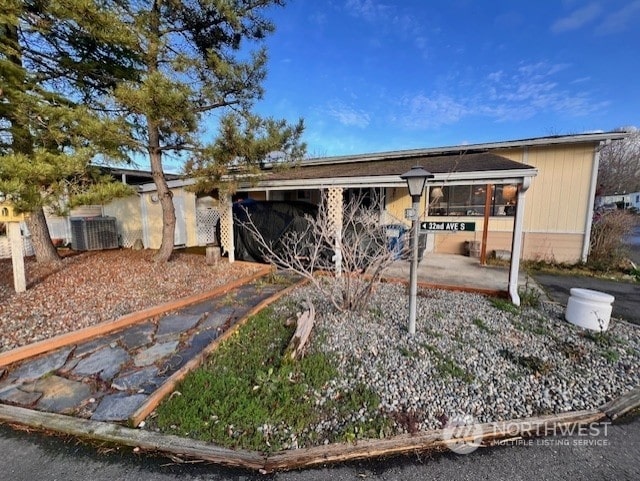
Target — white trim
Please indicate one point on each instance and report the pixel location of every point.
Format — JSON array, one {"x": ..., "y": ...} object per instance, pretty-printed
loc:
[
  {"x": 516, "y": 243},
  {"x": 539, "y": 141},
  {"x": 586, "y": 243},
  {"x": 447, "y": 178}
]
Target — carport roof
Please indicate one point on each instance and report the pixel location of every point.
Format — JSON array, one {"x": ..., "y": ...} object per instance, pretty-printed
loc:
[{"x": 381, "y": 172}]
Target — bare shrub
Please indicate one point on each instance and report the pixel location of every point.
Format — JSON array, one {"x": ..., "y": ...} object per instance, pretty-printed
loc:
[
  {"x": 311, "y": 250},
  {"x": 607, "y": 239}
]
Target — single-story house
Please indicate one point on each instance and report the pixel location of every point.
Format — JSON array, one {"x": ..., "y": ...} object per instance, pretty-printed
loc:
[{"x": 482, "y": 187}]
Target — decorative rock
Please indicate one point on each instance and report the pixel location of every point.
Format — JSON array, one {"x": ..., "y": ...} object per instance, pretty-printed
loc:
[
  {"x": 217, "y": 318},
  {"x": 132, "y": 381},
  {"x": 18, "y": 396}
]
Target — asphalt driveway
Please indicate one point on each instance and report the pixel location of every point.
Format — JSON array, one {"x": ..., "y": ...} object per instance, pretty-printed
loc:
[{"x": 627, "y": 295}]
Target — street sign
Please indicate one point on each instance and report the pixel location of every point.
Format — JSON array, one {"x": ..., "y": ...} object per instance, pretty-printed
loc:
[{"x": 448, "y": 226}]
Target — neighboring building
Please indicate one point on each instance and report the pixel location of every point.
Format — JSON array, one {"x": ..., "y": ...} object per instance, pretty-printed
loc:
[{"x": 622, "y": 201}]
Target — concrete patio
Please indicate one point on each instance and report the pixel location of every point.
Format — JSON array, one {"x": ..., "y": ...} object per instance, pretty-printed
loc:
[{"x": 452, "y": 270}]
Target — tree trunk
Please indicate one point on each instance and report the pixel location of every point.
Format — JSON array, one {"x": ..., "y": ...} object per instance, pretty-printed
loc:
[
  {"x": 164, "y": 194},
  {"x": 40, "y": 237}
]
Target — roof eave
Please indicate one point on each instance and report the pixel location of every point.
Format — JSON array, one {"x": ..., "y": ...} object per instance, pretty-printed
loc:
[{"x": 493, "y": 176}]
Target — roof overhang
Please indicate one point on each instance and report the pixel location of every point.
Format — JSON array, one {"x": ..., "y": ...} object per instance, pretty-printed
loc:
[
  {"x": 494, "y": 177},
  {"x": 478, "y": 167}
]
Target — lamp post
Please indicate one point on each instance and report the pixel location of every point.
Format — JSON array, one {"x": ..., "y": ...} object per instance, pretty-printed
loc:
[{"x": 416, "y": 180}]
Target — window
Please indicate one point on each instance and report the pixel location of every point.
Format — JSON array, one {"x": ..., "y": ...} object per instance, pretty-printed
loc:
[{"x": 469, "y": 200}]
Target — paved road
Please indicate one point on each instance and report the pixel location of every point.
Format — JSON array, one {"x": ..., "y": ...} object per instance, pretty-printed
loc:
[
  {"x": 610, "y": 455},
  {"x": 627, "y": 294}
]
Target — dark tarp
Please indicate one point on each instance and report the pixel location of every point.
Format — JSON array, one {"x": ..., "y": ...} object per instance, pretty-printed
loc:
[{"x": 273, "y": 219}]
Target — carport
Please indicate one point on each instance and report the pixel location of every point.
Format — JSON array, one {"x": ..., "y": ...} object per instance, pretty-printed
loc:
[{"x": 382, "y": 171}]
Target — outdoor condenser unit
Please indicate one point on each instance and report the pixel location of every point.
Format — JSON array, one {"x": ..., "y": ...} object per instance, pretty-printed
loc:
[{"x": 94, "y": 233}]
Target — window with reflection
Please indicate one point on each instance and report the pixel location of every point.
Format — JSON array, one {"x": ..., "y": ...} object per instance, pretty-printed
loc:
[{"x": 469, "y": 200}]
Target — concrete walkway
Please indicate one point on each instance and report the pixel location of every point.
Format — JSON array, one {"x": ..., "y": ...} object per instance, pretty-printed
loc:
[
  {"x": 456, "y": 270},
  {"x": 110, "y": 377}
]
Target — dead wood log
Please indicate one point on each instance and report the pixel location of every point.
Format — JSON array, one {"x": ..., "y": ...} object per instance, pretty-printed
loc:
[{"x": 298, "y": 342}]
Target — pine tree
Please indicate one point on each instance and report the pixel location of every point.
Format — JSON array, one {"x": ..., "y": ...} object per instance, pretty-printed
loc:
[
  {"x": 192, "y": 62},
  {"x": 49, "y": 63}
]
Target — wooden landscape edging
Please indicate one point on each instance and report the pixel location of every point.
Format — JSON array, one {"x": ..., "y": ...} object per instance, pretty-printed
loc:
[
  {"x": 169, "y": 385},
  {"x": 147, "y": 440},
  {"x": 81, "y": 335},
  {"x": 484, "y": 434}
]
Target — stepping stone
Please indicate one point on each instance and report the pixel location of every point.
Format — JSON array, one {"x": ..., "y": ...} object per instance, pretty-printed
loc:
[
  {"x": 92, "y": 346},
  {"x": 202, "y": 339},
  {"x": 198, "y": 309},
  {"x": 155, "y": 353},
  {"x": 20, "y": 397},
  {"x": 59, "y": 395},
  {"x": 36, "y": 368},
  {"x": 106, "y": 363},
  {"x": 176, "y": 324},
  {"x": 134, "y": 380},
  {"x": 138, "y": 336},
  {"x": 218, "y": 318},
  {"x": 118, "y": 407}
]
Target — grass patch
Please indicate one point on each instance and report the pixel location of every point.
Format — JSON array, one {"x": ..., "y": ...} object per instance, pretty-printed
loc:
[
  {"x": 534, "y": 326},
  {"x": 406, "y": 352},
  {"x": 247, "y": 395},
  {"x": 529, "y": 297},
  {"x": 530, "y": 363},
  {"x": 504, "y": 305},
  {"x": 611, "y": 355},
  {"x": 447, "y": 367},
  {"x": 482, "y": 325}
]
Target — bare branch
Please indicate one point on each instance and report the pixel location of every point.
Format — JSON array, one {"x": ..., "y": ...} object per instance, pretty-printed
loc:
[{"x": 309, "y": 252}]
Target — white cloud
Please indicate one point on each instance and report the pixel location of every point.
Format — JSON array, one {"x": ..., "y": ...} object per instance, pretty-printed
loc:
[
  {"x": 522, "y": 93},
  {"x": 577, "y": 19},
  {"x": 619, "y": 20},
  {"x": 425, "y": 111},
  {"x": 370, "y": 10},
  {"x": 348, "y": 116},
  {"x": 389, "y": 19}
]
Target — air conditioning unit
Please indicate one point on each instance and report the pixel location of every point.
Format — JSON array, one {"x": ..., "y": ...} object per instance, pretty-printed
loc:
[{"x": 94, "y": 233}]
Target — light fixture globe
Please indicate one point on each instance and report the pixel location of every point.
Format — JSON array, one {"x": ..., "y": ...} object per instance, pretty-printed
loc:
[{"x": 416, "y": 179}]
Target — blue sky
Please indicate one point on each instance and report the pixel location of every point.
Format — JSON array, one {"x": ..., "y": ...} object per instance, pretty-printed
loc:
[{"x": 378, "y": 75}]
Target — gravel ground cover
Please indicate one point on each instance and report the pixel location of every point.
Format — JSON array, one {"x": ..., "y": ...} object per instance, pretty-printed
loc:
[
  {"x": 471, "y": 356},
  {"x": 93, "y": 287}
]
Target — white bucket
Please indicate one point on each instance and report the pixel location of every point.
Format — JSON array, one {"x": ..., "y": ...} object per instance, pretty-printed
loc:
[{"x": 589, "y": 309}]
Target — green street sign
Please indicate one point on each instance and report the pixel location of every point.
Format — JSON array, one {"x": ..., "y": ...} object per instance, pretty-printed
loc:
[{"x": 448, "y": 226}]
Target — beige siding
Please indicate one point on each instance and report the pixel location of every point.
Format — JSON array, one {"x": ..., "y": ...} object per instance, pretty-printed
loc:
[
  {"x": 552, "y": 247},
  {"x": 558, "y": 199},
  {"x": 154, "y": 218},
  {"x": 556, "y": 207},
  {"x": 128, "y": 218},
  {"x": 397, "y": 199}
]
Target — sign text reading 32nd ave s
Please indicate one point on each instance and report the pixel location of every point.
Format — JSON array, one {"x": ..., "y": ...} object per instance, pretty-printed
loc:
[{"x": 448, "y": 226}]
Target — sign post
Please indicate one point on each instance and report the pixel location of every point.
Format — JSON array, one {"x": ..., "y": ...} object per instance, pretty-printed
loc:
[{"x": 8, "y": 215}]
